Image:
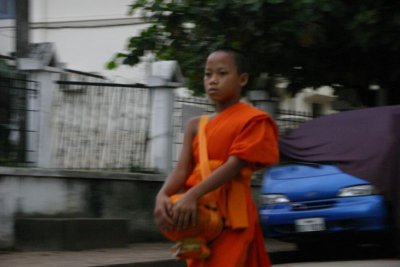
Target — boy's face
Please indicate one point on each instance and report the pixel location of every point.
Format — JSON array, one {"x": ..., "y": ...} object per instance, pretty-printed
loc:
[{"x": 222, "y": 82}]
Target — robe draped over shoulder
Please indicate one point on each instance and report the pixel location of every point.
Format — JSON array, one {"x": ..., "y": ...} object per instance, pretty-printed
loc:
[{"x": 251, "y": 135}]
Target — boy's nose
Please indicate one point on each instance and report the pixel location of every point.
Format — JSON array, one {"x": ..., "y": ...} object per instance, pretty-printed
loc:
[{"x": 213, "y": 79}]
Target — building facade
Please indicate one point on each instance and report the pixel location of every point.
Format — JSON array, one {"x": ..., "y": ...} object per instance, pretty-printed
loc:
[{"x": 86, "y": 34}]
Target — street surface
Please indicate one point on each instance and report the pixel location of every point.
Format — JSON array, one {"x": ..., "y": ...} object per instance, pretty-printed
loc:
[{"x": 284, "y": 254}]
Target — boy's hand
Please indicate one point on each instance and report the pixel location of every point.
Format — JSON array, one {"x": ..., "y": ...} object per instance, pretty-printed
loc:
[
  {"x": 184, "y": 212},
  {"x": 163, "y": 212}
]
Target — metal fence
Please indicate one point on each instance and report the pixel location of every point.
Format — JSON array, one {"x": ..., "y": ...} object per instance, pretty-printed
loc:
[
  {"x": 95, "y": 125},
  {"x": 17, "y": 93},
  {"x": 287, "y": 120},
  {"x": 101, "y": 126},
  {"x": 184, "y": 109}
]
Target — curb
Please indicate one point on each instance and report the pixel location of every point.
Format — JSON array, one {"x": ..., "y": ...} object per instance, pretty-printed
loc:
[{"x": 163, "y": 263}]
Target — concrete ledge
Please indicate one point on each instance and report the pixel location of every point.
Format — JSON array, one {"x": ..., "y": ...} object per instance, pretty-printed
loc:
[
  {"x": 84, "y": 174},
  {"x": 48, "y": 193},
  {"x": 70, "y": 233}
]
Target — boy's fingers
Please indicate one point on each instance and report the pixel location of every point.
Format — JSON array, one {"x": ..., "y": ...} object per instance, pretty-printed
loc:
[
  {"x": 169, "y": 222},
  {"x": 169, "y": 207},
  {"x": 190, "y": 219},
  {"x": 184, "y": 221},
  {"x": 163, "y": 219},
  {"x": 177, "y": 217},
  {"x": 166, "y": 224},
  {"x": 168, "y": 212}
]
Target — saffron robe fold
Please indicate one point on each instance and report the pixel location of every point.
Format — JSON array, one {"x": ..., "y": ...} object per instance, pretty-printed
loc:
[{"x": 251, "y": 135}]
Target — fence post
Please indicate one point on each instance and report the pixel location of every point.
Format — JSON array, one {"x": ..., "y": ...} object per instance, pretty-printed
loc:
[
  {"x": 261, "y": 100},
  {"x": 42, "y": 66},
  {"x": 165, "y": 76},
  {"x": 40, "y": 137}
]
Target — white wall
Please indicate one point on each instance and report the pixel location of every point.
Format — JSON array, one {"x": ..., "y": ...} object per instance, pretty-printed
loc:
[
  {"x": 84, "y": 34},
  {"x": 61, "y": 10},
  {"x": 304, "y": 99},
  {"x": 35, "y": 196},
  {"x": 7, "y": 36},
  {"x": 61, "y": 194}
]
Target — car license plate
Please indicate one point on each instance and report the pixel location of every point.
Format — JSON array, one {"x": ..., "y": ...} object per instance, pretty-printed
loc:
[{"x": 310, "y": 225}]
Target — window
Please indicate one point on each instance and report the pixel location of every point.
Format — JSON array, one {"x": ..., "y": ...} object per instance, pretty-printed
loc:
[{"x": 7, "y": 9}]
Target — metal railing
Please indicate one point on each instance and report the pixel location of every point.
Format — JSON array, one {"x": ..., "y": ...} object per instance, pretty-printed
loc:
[
  {"x": 287, "y": 120},
  {"x": 184, "y": 109},
  {"x": 101, "y": 126},
  {"x": 95, "y": 125},
  {"x": 17, "y": 93}
]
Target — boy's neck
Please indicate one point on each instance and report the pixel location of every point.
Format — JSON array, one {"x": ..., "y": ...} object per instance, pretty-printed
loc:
[{"x": 221, "y": 106}]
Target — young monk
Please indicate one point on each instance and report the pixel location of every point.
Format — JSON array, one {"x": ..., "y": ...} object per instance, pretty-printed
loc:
[{"x": 240, "y": 139}]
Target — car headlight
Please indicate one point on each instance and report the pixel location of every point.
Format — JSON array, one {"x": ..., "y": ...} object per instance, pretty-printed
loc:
[
  {"x": 270, "y": 199},
  {"x": 358, "y": 190}
]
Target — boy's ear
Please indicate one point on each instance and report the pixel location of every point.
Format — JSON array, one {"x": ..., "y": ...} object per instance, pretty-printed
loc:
[{"x": 243, "y": 79}]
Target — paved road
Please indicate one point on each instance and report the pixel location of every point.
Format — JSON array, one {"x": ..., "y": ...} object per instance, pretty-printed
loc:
[{"x": 286, "y": 255}]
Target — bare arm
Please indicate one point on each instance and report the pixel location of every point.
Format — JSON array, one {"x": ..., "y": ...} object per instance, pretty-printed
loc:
[
  {"x": 225, "y": 172},
  {"x": 175, "y": 180}
]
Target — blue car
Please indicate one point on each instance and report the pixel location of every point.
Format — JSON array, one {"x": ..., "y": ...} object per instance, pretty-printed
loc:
[{"x": 305, "y": 202}]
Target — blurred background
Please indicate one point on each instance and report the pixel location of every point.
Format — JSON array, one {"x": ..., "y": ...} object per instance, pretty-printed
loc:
[{"x": 94, "y": 94}]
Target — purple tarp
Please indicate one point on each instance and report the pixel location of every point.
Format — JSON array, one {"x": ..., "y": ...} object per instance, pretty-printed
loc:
[{"x": 364, "y": 143}]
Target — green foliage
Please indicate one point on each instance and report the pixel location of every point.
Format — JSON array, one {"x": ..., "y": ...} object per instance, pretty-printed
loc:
[
  {"x": 5, "y": 69},
  {"x": 310, "y": 42}
]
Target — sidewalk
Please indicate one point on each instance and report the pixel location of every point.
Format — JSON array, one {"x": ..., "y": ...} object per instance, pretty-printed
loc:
[
  {"x": 139, "y": 255},
  {"x": 148, "y": 254}
]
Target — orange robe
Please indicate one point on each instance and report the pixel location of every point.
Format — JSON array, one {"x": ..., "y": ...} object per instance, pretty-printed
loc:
[{"x": 251, "y": 135}]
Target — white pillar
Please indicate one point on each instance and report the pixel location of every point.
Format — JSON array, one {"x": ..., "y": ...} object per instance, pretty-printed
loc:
[
  {"x": 42, "y": 65},
  {"x": 39, "y": 117},
  {"x": 261, "y": 100},
  {"x": 161, "y": 129},
  {"x": 166, "y": 76}
]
